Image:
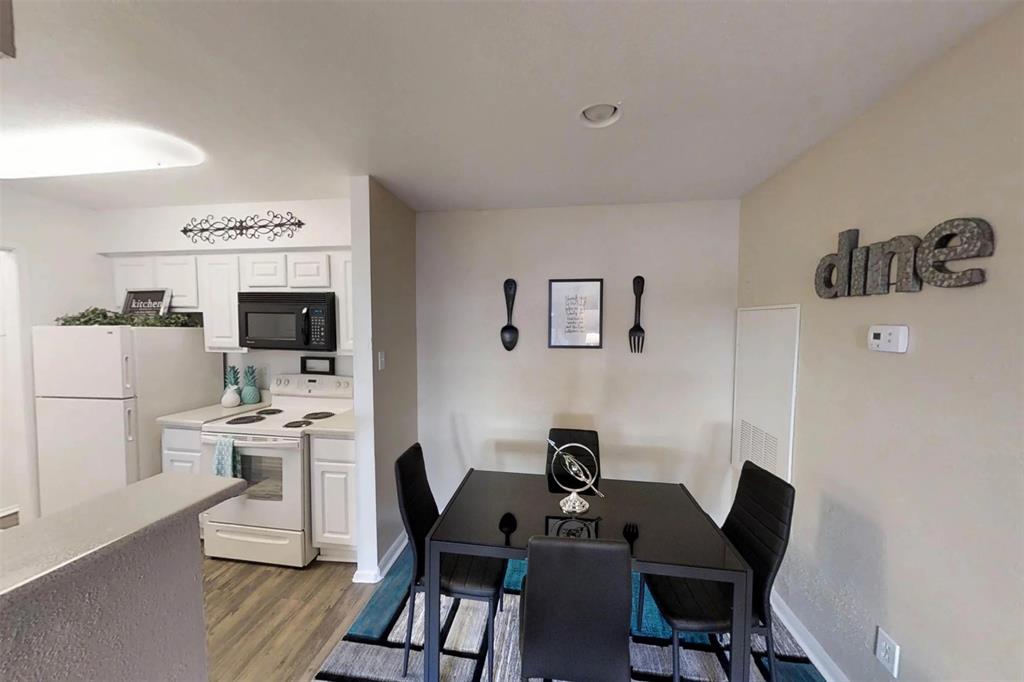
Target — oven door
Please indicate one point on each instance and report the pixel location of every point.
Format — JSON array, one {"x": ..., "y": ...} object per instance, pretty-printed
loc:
[{"x": 275, "y": 469}]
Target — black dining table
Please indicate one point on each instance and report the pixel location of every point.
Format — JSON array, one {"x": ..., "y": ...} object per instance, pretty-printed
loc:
[{"x": 676, "y": 538}]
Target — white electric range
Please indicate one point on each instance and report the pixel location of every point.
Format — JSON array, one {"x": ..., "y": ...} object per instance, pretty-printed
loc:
[{"x": 270, "y": 522}]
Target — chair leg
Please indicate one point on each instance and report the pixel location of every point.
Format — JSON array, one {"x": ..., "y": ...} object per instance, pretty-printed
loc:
[
  {"x": 640, "y": 605},
  {"x": 501, "y": 597},
  {"x": 408, "y": 629},
  {"x": 490, "y": 641},
  {"x": 770, "y": 642},
  {"x": 675, "y": 656}
]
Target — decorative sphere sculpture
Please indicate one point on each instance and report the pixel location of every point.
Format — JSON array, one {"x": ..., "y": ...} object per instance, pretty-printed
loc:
[{"x": 581, "y": 475}]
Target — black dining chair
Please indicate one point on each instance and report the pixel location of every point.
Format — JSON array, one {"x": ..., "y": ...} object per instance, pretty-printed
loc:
[
  {"x": 561, "y": 437},
  {"x": 574, "y": 609},
  {"x": 758, "y": 527},
  {"x": 462, "y": 577}
]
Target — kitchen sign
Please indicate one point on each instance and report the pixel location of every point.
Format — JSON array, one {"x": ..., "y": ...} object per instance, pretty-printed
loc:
[
  {"x": 149, "y": 302},
  {"x": 864, "y": 270}
]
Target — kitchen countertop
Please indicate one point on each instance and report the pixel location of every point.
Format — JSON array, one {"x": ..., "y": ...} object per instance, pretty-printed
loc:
[
  {"x": 42, "y": 546},
  {"x": 341, "y": 425},
  {"x": 194, "y": 419}
]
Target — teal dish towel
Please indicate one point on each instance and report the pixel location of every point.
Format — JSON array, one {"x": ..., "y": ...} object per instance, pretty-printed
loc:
[{"x": 224, "y": 457}]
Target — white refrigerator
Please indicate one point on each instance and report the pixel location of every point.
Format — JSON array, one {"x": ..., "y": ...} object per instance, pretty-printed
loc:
[{"x": 98, "y": 393}]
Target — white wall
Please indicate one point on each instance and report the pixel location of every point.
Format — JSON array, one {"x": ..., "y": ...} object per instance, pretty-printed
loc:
[
  {"x": 142, "y": 230},
  {"x": 662, "y": 415},
  {"x": 54, "y": 250},
  {"x": 908, "y": 468}
]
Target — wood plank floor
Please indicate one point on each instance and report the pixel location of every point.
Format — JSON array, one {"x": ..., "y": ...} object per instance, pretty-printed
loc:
[{"x": 276, "y": 623}]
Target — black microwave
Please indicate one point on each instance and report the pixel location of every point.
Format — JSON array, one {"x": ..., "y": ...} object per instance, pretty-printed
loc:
[{"x": 287, "y": 320}]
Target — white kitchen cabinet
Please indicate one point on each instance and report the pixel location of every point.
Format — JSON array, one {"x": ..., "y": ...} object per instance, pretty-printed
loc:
[
  {"x": 343, "y": 263},
  {"x": 133, "y": 272},
  {"x": 309, "y": 270},
  {"x": 219, "y": 285},
  {"x": 178, "y": 273},
  {"x": 262, "y": 270},
  {"x": 180, "y": 450},
  {"x": 333, "y": 492}
]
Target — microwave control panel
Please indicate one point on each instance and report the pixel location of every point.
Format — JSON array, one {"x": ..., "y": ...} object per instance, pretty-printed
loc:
[{"x": 317, "y": 327}]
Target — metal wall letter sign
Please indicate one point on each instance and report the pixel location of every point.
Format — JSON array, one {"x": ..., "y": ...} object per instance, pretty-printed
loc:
[{"x": 864, "y": 270}]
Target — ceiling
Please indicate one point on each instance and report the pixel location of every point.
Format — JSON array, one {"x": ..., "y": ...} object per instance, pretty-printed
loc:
[{"x": 463, "y": 105}]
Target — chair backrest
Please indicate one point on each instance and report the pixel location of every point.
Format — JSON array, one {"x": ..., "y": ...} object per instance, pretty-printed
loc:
[
  {"x": 758, "y": 526},
  {"x": 561, "y": 437},
  {"x": 576, "y": 610},
  {"x": 415, "y": 502}
]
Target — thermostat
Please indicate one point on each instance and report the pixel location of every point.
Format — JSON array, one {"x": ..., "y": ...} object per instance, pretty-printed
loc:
[{"x": 889, "y": 338}]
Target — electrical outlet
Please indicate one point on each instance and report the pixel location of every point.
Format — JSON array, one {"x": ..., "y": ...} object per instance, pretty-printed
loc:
[
  {"x": 381, "y": 363},
  {"x": 887, "y": 651}
]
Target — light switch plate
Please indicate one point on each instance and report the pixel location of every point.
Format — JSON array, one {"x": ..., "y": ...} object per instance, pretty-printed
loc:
[
  {"x": 887, "y": 651},
  {"x": 889, "y": 338}
]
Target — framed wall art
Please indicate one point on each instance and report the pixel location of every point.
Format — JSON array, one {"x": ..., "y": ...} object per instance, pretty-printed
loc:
[{"x": 575, "y": 315}]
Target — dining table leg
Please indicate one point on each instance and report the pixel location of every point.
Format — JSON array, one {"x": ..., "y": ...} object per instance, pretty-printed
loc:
[
  {"x": 739, "y": 644},
  {"x": 432, "y": 613}
]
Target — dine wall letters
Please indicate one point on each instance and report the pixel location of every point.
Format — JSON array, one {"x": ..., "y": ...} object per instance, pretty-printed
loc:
[{"x": 864, "y": 270}]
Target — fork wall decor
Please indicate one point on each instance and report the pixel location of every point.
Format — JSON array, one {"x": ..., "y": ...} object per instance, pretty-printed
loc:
[{"x": 636, "y": 332}]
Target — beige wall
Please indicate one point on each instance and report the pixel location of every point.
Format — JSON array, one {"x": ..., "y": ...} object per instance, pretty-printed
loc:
[
  {"x": 661, "y": 415},
  {"x": 393, "y": 291},
  {"x": 908, "y": 468},
  {"x": 53, "y": 270},
  {"x": 384, "y": 305}
]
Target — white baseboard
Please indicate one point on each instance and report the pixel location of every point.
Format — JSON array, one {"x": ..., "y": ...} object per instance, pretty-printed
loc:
[
  {"x": 819, "y": 657},
  {"x": 377, "y": 574}
]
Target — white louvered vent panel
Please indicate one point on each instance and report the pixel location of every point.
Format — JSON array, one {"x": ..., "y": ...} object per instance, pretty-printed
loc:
[
  {"x": 765, "y": 390},
  {"x": 758, "y": 446}
]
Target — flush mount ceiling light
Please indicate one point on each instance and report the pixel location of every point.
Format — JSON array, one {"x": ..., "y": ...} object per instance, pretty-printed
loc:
[
  {"x": 91, "y": 149},
  {"x": 601, "y": 115}
]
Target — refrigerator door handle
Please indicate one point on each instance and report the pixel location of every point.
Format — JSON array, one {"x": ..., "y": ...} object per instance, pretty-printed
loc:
[
  {"x": 128, "y": 423},
  {"x": 126, "y": 371}
]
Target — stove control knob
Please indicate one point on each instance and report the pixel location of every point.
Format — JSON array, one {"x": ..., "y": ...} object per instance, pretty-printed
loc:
[
  {"x": 277, "y": 382},
  {"x": 337, "y": 384}
]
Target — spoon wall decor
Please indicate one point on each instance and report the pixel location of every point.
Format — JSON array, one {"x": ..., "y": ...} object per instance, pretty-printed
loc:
[{"x": 509, "y": 334}]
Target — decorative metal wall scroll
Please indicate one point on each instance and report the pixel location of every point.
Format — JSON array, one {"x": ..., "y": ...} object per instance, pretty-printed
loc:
[
  {"x": 636, "y": 332},
  {"x": 274, "y": 226},
  {"x": 864, "y": 270},
  {"x": 509, "y": 334}
]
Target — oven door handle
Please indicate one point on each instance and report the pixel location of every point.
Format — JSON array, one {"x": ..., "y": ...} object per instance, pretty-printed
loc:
[
  {"x": 258, "y": 445},
  {"x": 305, "y": 326}
]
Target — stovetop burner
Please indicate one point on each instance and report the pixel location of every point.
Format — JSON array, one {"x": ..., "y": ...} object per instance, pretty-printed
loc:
[
  {"x": 318, "y": 415},
  {"x": 297, "y": 424},
  {"x": 247, "y": 419},
  {"x": 270, "y": 410}
]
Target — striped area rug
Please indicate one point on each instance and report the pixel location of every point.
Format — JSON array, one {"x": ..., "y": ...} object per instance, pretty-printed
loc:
[{"x": 372, "y": 648}]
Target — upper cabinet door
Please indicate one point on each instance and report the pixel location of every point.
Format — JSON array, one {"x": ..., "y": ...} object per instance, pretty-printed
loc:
[
  {"x": 133, "y": 273},
  {"x": 218, "y": 287},
  {"x": 264, "y": 270},
  {"x": 178, "y": 273},
  {"x": 309, "y": 270},
  {"x": 343, "y": 263}
]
